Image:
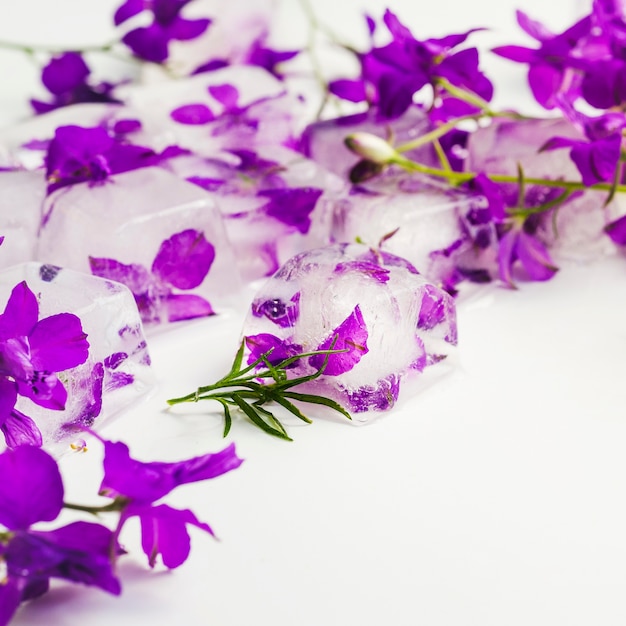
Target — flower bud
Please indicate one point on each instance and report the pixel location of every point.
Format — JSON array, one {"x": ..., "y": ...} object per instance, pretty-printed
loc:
[{"x": 370, "y": 147}]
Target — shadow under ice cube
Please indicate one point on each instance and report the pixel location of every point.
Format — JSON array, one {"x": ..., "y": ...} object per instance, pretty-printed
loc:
[
  {"x": 117, "y": 371},
  {"x": 391, "y": 325}
]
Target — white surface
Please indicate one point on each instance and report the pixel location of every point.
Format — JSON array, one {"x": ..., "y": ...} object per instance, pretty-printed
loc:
[{"x": 494, "y": 498}]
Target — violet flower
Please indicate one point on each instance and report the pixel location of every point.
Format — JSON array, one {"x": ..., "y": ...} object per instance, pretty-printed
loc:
[
  {"x": 66, "y": 78},
  {"x": 151, "y": 42},
  {"x": 141, "y": 485},
  {"x": 616, "y": 230},
  {"x": 280, "y": 349},
  {"x": 182, "y": 262},
  {"x": 31, "y": 491},
  {"x": 518, "y": 245},
  {"x": 31, "y": 351},
  {"x": 78, "y": 154},
  {"x": 548, "y": 64}
]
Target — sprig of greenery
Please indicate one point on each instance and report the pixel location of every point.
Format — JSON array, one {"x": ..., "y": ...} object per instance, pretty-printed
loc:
[{"x": 241, "y": 389}]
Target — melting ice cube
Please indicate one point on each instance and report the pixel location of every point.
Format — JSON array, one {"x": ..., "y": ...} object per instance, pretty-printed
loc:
[
  {"x": 391, "y": 323},
  {"x": 117, "y": 371}
]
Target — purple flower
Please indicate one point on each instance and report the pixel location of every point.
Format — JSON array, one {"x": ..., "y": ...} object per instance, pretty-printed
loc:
[
  {"x": 151, "y": 42},
  {"x": 283, "y": 315},
  {"x": 193, "y": 114},
  {"x": 292, "y": 205},
  {"x": 31, "y": 491},
  {"x": 381, "y": 397},
  {"x": 31, "y": 351},
  {"x": 78, "y": 154},
  {"x": 66, "y": 78},
  {"x": 280, "y": 349},
  {"x": 393, "y": 73},
  {"x": 616, "y": 230},
  {"x": 518, "y": 245},
  {"x": 351, "y": 335},
  {"x": 182, "y": 262},
  {"x": 548, "y": 74},
  {"x": 141, "y": 485},
  {"x": 268, "y": 58}
]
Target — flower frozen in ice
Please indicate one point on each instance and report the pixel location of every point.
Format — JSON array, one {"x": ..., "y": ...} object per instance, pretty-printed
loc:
[{"x": 31, "y": 352}]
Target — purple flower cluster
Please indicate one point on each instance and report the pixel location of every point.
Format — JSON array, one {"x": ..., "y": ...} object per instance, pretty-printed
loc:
[
  {"x": 84, "y": 552},
  {"x": 32, "y": 352}
]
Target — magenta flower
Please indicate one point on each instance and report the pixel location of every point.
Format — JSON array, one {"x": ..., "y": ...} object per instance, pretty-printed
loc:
[
  {"x": 265, "y": 342},
  {"x": 518, "y": 245},
  {"x": 616, "y": 230},
  {"x": 66, "y": 78},
  {"x": 141, "y": 485},
  {"x": 182, "y": 262},
  {"x": 31, "y": 351},
  {"x": 31, "y": 491},
  {"x": 151, "y": 42}
]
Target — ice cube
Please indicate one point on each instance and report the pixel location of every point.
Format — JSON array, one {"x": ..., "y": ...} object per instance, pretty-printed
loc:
[
  {"x": 275, "y": 203},
  {"x": 161, "y": 236},
  {"x": 117, "y": 372},
  {"x": 435, "y": 227},
  {"x": 395, "y": 326},
  {"x": 324, "y": 141},
  {"x": 575, "y": 231},
  {"x": 21, "y": 201}
]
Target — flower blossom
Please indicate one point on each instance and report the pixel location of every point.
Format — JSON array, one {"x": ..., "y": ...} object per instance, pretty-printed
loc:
[
  {"x": 151, "y": 42},
  {"x": 31, "y": 351},
  {"x": 31, "y": 491},
  {"x": 141, "y": 485}
]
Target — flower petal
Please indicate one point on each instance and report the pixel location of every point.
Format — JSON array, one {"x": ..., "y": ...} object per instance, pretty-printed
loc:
[
  {"x": 31, "y": 489},
  {"x": 187, "y": 307},
  {"x": 21, "y": 430},
  {"x": 58, "y": 343},
  {"x": 20, "y": 314}
]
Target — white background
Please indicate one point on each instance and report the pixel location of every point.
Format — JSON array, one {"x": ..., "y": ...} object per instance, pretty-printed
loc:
[{"x": 495, "y": 497}]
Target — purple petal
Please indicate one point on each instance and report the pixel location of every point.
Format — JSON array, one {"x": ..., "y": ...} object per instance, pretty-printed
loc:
[
  {"x": 366, "y": 268},
  {"x": 292, "y": 206},
  {"x": 506, "y": 256},
  {"x": 31, "y": 489},
  {"x": 136, "y": 277},
  {"x": 226, "y": 95},
  {"x": 149, "y": 43},
  {"x": 381, "y": 397},
  {"x": 545, "y": 81},
  {"x": 281, "y": 314},
  {"x": 64, "y": 73},
  {"x": 192, "y": 114},
  {"x": 184, "y": 30},
  {"x": 184, "y": 259},
  {"x": 10, "y": 599},
  {"x": 147, "y": 482},
  {"x": 187, "y": 307},
  {"x": 164, "y": 532},
  {"x": 535, "y": 258},
  {"x": 44, "y": 389},
  {"x": 616, "y": 230},
  {"x": 20, "y": 314},
  {"x": 351, "y": 90},
  {"x": 532, "y": 27},
  {"x": 21, "y": 430},
  {"x": 58, "y": 343},
  {"x": 518, "y": 54},
  {"x": 129, "y": 9},
  {"x": 8, "y": 398},
  {"x": 432, "y": 308},
  {"x": 351, "y": 335},
  {"x": 596, "y": 161},
  {"x": 265, "y": 342}
]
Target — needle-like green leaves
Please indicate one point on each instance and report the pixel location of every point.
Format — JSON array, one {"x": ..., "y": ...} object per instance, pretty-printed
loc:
[{"x": 244, "y": 388}]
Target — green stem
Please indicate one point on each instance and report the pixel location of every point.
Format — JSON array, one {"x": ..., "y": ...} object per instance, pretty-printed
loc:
[
  {"x": 463, "y": 177},
  {"x": 115, "y": 506},
  {"x": 34, "y": 48}
]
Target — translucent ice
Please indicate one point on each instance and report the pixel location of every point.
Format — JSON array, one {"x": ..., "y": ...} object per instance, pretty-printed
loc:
[
  {"x": 21, "y": 199},
  {"x": 576, "y": 230},
  {"x": 323, "y": 141},
  {"x": 437, "y": 228},
  {"x": 159, "y": 235},
  {"x": 275, "y": 203},
  {"x": 393, "y": 325},
  {"x": 117, "y": 371}
]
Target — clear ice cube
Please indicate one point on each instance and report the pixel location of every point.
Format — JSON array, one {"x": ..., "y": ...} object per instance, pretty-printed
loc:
[
  {"x": 21, "y": 202},
  {"x": 159, "y": 235},
  {"x": 435, "y": 227},
  {"x": 394, "y": 325},
  {"x": 117, "y": 372},
  {"x": 275, "y": 203}
]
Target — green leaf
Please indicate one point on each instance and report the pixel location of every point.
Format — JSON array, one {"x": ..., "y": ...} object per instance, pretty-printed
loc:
[
  {"x": 256, "y": 419},
  {"x": 313, "y": 399}
]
